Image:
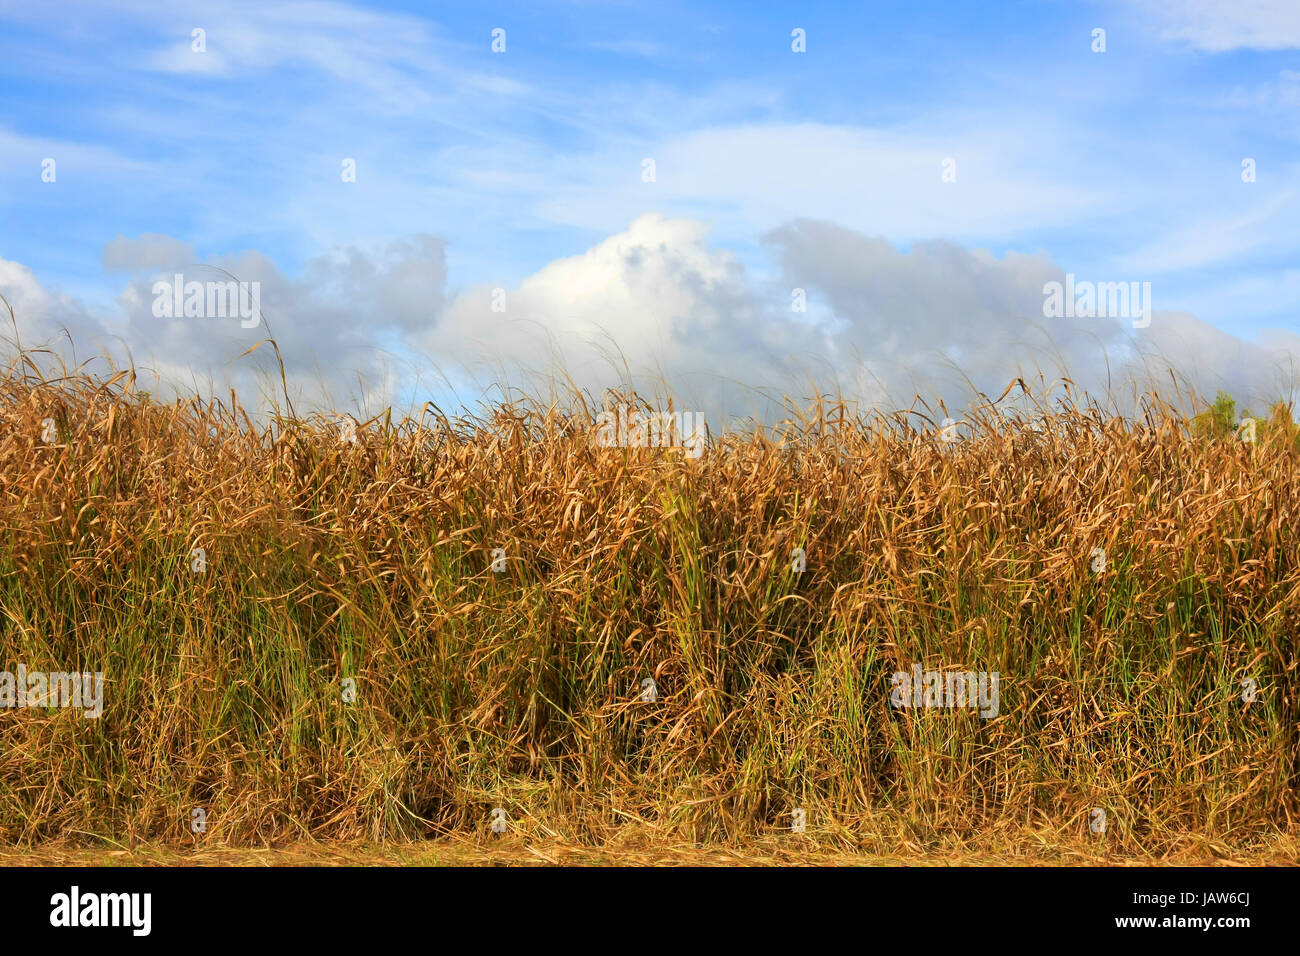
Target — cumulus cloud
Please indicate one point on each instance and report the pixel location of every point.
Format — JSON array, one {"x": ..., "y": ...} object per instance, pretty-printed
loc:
[
  {"x": 882, "y": 325},
  {"x": 1257, "y": 373},
  {"x": 657, "y": 307},
  {"x": 654, "y": 305},
  {"x": 41, "y": 315},
  {"x": 339, "y": 325},
  {"x": 938, "y": 318}
]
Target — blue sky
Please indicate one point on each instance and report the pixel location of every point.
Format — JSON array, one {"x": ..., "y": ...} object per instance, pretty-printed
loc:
[{"x": 1122, "y": 165}]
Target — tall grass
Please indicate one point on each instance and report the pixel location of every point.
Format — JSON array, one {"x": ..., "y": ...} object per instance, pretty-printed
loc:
[{"x": 328, "y": 560}]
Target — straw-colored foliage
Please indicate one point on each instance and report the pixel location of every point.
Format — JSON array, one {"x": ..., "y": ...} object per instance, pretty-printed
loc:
[{"x": 327, "y": 560}]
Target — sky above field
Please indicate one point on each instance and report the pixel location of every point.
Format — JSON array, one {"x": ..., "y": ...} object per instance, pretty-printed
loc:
[{"x": 716, "y": 195}]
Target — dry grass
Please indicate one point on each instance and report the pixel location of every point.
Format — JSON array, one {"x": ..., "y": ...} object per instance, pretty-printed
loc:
[
  {"x": 329, "y": 560},
  {"x": 766, "y": 851}
]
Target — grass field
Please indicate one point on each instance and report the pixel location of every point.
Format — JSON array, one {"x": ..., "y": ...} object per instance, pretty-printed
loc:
[{"x": 334, "y": 647}]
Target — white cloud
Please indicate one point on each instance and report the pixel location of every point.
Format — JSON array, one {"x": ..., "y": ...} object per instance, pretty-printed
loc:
[
  {"x": 1256, "y": 373},
  {"x": 1217, "y": 26},
  {"x": 399, "y": 60},
  {"x": 661, "y": 303},
  {"x": 933, "y": 321},
  {"x": 888, "y": 181},
  {"x": 643, "y": 48},
  {"x": 41, "y": 315},
  {"x": 1268, "y": 222},
  {"x": 339, "y": 325}
]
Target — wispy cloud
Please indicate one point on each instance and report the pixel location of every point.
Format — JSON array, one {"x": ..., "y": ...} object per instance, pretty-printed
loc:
[
  {"x": 643, "y": 48},
  {"x": 1218, "y": 27}
]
